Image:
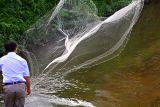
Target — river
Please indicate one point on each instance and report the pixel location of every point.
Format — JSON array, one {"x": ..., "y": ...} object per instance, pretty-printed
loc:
[{"x": 132, "y": 78}]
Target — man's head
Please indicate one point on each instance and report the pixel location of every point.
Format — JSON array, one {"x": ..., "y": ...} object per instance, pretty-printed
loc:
[{"x": 10, "y": 46}]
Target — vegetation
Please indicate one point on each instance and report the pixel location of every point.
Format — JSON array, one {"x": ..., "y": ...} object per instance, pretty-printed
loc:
[
  {"x": 17, "y": 15},
  {"x": 108, "y": 7}
]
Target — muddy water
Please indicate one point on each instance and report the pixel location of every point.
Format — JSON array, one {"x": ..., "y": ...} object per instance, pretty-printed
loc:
[
  {"x": 133, "y": 78},
  {"x": 136, "y": 82},
  {"x": 135, "y": 87}
]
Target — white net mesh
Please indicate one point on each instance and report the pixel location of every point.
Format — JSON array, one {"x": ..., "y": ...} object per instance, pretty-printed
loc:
[{"x": 72, "y": 36}]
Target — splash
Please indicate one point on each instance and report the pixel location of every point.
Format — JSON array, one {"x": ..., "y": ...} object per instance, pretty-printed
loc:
[{"x": 50, "y": 101}]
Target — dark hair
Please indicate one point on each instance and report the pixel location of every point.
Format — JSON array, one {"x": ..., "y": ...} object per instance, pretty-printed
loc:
[{"x": 10, "y": 46}]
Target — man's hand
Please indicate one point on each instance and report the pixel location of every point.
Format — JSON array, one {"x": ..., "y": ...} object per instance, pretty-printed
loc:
[{"x": 28, "y": 90}]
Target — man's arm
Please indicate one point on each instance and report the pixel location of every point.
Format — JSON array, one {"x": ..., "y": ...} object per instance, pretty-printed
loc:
[{"x": 27, "y": 78}]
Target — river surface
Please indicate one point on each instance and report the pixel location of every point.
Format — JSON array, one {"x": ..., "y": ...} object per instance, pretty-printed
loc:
[{"x": 129, "y": 80}]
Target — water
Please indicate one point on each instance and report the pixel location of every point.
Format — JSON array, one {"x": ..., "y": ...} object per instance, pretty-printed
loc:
[{"x": 131, "y": 79}]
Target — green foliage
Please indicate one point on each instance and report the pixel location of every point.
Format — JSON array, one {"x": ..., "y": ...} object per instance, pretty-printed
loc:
[
  {"x": 17, "y": 15},
  {"x": 108, "y": 7}
]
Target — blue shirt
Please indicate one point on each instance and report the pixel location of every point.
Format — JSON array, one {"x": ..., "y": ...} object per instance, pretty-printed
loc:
[{"x": 14, "y": 68}]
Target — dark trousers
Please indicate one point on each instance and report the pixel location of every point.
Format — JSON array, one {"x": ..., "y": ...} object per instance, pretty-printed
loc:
[{"x": 14, "y": 95}]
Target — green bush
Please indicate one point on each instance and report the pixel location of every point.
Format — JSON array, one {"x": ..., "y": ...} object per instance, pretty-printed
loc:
[
  {"x": 108, "y": 7},
  {"x": 17, "y": 15}
]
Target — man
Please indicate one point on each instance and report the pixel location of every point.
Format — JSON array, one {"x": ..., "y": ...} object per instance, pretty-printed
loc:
[{"x": 16, "y": 77}]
